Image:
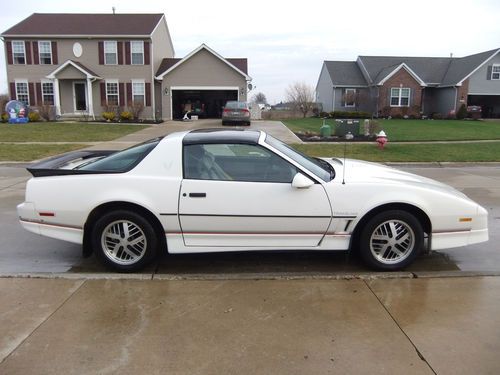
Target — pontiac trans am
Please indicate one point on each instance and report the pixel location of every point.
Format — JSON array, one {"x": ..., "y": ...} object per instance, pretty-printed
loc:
[{"x": 232, "y": 190}]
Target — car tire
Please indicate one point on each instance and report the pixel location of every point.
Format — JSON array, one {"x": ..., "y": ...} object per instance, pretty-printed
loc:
[
  {"x": 124, "y": 241},
  {"x": 391, "y": 240}
]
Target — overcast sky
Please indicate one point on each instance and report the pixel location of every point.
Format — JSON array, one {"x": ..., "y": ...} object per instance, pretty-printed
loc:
[{"x": 288, "y": 41}]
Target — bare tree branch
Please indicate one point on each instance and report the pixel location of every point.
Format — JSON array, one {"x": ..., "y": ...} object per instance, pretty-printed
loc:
[{"x": 301, "y": 96}]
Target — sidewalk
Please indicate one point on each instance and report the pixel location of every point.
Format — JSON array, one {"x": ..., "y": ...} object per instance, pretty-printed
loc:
[{"x": 395, "y": 326}]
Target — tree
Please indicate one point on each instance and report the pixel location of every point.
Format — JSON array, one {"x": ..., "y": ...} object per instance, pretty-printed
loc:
[
  {"x": 301, "y": 96},
  {"x": 259, "y": 98}
]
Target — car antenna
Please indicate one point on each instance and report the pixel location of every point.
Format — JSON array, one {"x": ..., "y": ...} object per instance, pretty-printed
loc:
[{"x": 343, "y": 169}]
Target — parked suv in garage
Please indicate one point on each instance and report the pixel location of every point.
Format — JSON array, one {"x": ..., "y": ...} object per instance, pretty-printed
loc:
[{"x": 236, "y": 112}]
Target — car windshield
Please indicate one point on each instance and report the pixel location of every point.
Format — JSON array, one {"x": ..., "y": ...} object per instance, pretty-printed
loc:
[
  {"x": 236, "y": 105},
  {"x": 121, "y": 161},
  {"x": 319, "y": 167}
]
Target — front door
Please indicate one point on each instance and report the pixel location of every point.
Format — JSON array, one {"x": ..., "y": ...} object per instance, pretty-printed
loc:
[
  {"x": 240, "y": 196},
  {"x": 80, "y": 96}
]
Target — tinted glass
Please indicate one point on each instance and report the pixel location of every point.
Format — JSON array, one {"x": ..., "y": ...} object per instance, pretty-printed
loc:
[
  {"x": 307, "y": 162},
  {"x": 236, "y": 105},
  {"x": 122, "y": 161},
  {"x": 235, "y": 162}
]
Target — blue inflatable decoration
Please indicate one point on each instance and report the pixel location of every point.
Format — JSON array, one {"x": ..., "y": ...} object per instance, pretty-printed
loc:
[{"x": 17, "y": 111}]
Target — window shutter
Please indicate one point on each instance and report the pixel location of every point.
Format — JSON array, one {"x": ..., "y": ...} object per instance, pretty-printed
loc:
[
  {"x": 12, "y": 91},
  {"x": 488, "y": 72},
  {"x": 9, "y": 53},
  {"x": 121, "y": 93},
  {"x": 32, "y": 98},
  {"x": 39, "y": 96},
  {"x": 120, "y": 52},
  {"x": 127, "y": 53},
  {"x": 27, "y": 48},
  {"x": 148, "y": 94},
  {"x": 36, "y": 57},
  {"x": 101, "y": 53},
  {"x": 147, "y": 58},
  {"x": 129, "y": 93},
  {"x": 103, "y": 94},
  {"x": 54, "y": 53}
]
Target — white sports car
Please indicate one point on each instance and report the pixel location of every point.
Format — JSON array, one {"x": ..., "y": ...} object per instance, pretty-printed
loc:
[{"x": 233, "y": 190}]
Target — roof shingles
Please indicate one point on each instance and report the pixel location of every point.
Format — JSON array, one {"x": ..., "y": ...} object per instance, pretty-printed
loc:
[{"x": 71, "y": 24}]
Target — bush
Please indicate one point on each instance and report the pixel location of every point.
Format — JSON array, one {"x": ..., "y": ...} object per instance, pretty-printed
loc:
[
  {"x": 347, "y": 114},
  {"x": 34, "y": 116},
  {"x": 136, "y": 109},
  {"x": 462, "y": 112},
  {"x": 5, "y": 117},
  {"x": 47, "y": 111},
  {"x": 324, "y": 114},
  {"x": 126, "y": 115},
  {"x": 373, "y": 127},
  {"x": 108, "y": 116},
  {"x": 4, "y": 99},
  {"x": 437, "y": 116}
]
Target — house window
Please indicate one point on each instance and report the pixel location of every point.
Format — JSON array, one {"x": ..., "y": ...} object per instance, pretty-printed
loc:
[
  {"x": 47, "y": 93},
  {"x": 138, "y": 92},
  {"x": 495, "y": 71},
  {"x": 45, "y": 53},
  {"x": 112, "y": 97},
  {"x": 110, "y": 53},
  {"x": 350, "y": 98},
  {"x": 18, "y": 52},
  {"x": 22, "y": 93},
  {"x": 400, "y": 97},
  {"x": 137, "y": 52}
]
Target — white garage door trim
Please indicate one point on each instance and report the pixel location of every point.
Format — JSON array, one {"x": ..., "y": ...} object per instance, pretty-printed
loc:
[{"x": 220, "y": 88}]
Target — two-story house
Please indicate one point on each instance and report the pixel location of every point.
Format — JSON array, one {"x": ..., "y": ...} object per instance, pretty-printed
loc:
[
  {"x": 389, "y": 85},
  {"x": 84, "y": 64}
]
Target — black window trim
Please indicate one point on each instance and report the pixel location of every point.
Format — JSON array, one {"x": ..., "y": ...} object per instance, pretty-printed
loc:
[{"x": 299, "y": 170}]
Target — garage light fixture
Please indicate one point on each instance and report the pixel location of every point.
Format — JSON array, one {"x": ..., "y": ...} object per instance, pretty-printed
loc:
[{"x": 165, "y": 91}]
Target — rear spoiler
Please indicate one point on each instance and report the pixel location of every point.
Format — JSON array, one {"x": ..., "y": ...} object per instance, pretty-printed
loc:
[{"x": 51, "y": 166}]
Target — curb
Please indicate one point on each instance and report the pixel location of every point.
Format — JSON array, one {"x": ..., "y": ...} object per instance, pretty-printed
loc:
[{"x": 253, "y": 276}]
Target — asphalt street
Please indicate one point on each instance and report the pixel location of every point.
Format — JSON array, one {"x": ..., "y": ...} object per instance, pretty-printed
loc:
[{"x": 22, "y": 252}]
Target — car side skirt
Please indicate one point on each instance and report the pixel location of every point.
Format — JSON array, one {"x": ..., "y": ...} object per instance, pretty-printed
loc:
[{"x": 175, "y": 242}]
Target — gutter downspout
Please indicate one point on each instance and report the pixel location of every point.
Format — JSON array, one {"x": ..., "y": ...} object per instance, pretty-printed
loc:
[
  {"x": 153, "y": 102},
  {"x": 333, "y": 102},
  {"x": 456, "y": 97}
]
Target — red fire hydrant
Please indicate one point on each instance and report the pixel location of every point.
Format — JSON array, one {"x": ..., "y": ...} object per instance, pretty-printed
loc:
[{"x": 381, "y": 139}]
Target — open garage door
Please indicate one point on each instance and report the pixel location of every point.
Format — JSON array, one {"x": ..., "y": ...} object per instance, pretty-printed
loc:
[
  {"x": 205, "y": 103},
  {"x": 490, "y": 104}
]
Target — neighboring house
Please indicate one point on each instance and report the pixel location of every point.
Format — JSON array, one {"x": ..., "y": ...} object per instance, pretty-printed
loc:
[
  {"x": 84, "y": 64},
  {"x": 387, "y": 85},
  {"x": 200, "y": 83}
]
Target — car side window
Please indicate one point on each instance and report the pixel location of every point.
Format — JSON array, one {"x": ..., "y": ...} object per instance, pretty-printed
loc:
[{"x": 235, "y": 162}]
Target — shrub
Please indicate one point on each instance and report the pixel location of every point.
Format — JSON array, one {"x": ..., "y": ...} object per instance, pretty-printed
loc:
[
  {"x": 4, "y": 99},
  {"x": 386, "y": 111},
  {"x": 373, "y": 127},
  {"x": 397, "y": 116},
  {"x": 462, "y": 112},
  {"x": 34, "y": 116},
  {"x": 437, "y": 116},
  {"x": 136, "y": 109},
  {"x": 47, "y": 111},
  {"x": 324, "y": 114},
  {"x": 126, "y": 115},
  {"x": 347, "y": 114},
  {"x": 5, "y": 117},
  {"x": 108, "y": 116}
]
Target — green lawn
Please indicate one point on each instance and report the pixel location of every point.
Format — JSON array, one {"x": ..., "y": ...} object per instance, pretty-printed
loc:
[
  {"x": 29, "y": 152},
  {"x": 417, "y": 130},
  {"x": 451, "y": 152},
  {"x": 64, "y": 132}
]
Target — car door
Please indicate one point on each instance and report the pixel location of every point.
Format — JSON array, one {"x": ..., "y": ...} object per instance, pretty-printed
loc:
[{"x": 241, "y": 196}]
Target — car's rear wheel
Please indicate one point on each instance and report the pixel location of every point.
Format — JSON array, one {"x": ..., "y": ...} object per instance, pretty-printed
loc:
[
  {"x": 124, "y": 240},
  {"x": 391, "y": 240}
]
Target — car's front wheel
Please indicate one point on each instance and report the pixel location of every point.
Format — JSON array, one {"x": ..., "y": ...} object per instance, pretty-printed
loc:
[
  {"x": 391, "y": 240},
  {"x": 124, "y": 240}
]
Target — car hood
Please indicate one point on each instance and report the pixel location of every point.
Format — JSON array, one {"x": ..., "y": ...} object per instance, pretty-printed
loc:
[{"x": 358, "y": 171}]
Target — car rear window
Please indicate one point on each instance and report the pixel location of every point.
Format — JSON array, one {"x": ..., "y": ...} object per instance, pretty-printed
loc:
[
  {"x": 122, "y": 161},
  {"x": 239, "y": 105}
]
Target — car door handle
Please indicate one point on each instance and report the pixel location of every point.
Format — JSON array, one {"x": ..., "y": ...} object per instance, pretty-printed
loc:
[{"x": 197, "y": 195}]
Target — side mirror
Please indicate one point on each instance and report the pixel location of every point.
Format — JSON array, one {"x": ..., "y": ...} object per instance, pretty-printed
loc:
[{"x": 301, "y": 182}]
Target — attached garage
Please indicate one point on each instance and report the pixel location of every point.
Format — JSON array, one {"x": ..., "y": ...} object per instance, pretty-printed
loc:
[
  {"x": 200, "y": 84},
  {"x": 205, "y": 102},
  {"x": 490, "y": 104}
]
